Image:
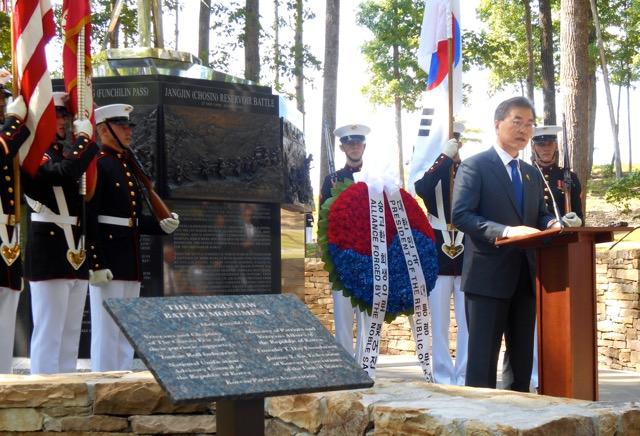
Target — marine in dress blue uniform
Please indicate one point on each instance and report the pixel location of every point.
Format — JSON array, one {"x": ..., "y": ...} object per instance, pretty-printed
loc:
[
  {"x": 55, "y": 262},
  {"x": 114, "y": 245},
  {"x": 13, "y": 133},
  {"x": 434, "y": 188},
  {"x": 545, "y": 155},
  {"x": 352, "y": 143}
]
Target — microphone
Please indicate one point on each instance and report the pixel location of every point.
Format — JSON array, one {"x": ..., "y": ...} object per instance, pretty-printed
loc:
[{"x": 555, "y": 205}]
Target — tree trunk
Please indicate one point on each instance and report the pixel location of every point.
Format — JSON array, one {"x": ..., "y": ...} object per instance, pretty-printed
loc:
[
  {"x": 144, "y": 23},
  {"x": 298, "y": 52},
  {"x": 114, "y": 36},
  {"x": 398, "y": 107},
  {"x": 530, "y": 67},
  {"x": 330, "y": 85},
  {"x": 592, "y": 110},
  {"x": 398, "y": 110},
  {"x": 605, "y": 76},
  {"x": 158, "y": 27},
  {"x": 618, "y": 107},
  {"x": 629, "y": 127},
  {"x": 251, "y": 42},
  {"x": 546, "y": 59},
  {"x": 203, "y": 31},
  {"x": 574, "y": 73},
  {"x": 276, "y": 46},
  {"x": 176, "y": 28}
]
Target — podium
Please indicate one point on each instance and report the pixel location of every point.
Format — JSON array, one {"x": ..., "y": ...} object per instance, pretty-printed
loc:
[{"x": 566, "y": 308}]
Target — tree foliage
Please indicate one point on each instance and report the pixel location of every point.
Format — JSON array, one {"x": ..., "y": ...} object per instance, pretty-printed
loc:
[
  {"x": 620, "y": 21},
  {"x": 623, "y": 190},
  {"x": 127, "y": 30},
  {"x": 502, "y": 47},
  {"x": 393, "y": 23},
  {"x": 283, "y": 60},
  {"x": 5, "y": 41}
]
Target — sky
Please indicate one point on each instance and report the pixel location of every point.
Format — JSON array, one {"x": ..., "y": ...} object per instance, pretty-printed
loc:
[{"x": 353, "y": 107}]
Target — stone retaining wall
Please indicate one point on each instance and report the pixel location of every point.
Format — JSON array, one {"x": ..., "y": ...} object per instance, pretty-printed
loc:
[
  {"x": 396, "y": 337},
  {"x": 121, "y": 403},
  {"x": 618, "y": 299}
]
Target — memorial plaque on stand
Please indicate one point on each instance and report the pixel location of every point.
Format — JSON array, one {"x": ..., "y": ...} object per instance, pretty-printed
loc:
[
  {"x": 236, "y": 350},
  {"x": 235, "y": 346}
]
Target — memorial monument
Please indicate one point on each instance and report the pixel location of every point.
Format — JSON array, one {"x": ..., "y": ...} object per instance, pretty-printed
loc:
[{"x": 227, "y": 155}]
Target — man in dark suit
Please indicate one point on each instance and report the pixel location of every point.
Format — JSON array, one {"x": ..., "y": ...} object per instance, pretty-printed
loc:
[{"x": 497, "y": 195}]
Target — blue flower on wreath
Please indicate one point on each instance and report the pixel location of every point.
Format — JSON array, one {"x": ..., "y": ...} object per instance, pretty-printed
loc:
[{"x": 356, "y": 274}]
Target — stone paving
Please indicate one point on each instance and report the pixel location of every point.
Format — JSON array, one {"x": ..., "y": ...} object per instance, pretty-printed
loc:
[{"x": 615, "y": 386}]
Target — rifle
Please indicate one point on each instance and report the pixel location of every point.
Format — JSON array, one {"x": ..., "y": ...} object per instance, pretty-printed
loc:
[
  {"x": 3, "y": 104},
  {"x": 156, "y": 204},
  {"x": 566, "y": 168},
  {"x": 329, "y": 149}
]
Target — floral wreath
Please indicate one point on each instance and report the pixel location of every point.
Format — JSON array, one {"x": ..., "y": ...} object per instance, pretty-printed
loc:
[{"x": 344, "y": 235}]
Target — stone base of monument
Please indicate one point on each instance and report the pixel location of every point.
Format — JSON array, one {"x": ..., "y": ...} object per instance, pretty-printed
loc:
[{"x": 123, "y": 403}]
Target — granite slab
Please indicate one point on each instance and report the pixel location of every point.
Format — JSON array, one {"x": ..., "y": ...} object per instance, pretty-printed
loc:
[{"x": 230, "y": 347}]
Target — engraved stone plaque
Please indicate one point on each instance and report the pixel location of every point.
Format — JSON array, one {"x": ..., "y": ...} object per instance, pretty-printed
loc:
[{"x": 235, "y": 346}]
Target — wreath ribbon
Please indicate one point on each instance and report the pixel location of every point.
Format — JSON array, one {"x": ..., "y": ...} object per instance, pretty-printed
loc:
[
  {"x": 421, "y": 311},
  {"x": 371, "y": 345}
]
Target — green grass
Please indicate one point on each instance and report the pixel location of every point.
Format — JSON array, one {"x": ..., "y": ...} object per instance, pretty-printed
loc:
[{"x": 601, "y": 178}]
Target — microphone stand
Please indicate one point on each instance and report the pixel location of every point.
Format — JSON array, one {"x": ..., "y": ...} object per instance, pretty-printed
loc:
[{"x": 555, "y": 205}]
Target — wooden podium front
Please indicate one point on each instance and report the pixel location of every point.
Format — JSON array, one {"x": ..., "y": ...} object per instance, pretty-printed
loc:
[{"x": 565, "y": 284}]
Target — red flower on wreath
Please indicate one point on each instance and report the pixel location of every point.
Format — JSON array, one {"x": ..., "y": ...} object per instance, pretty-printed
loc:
[{"x": 351, "y": 210}]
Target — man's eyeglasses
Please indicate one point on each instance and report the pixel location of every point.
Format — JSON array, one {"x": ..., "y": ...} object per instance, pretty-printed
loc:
[{"x": 519, "y": 124}]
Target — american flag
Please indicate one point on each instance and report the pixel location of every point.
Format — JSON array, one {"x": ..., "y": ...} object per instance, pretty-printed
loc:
[{"x": 33, "y": 27}]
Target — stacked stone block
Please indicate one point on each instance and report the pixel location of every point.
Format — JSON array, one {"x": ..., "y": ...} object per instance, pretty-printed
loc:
[
  {"x": 618, "y": 307},
  {"x": 125, "y": 404}
]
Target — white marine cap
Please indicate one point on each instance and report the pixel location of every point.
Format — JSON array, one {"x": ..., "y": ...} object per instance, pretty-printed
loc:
[
  {"x": 458, "y": 127},
  {"x": 545, "y": 133},
  {"x": 115, "y": 113},
  {"x": 60, "y": 101},
  {"x": 352, "y": 132}
]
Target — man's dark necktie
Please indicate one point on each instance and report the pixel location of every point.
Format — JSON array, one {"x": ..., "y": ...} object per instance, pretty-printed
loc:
[{"x": 517, "y": 185}]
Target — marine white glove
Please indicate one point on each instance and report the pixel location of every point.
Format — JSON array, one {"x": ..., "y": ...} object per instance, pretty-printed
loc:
[
  {"x": 572, "y": 220},
  {"x": 451, "y": 147},
  {"x": 100, "y": 277},
  {"x": 169, "y": 225},
  {"x": 5, "y": 76},
  {"x": 83, "y": 127},
  {"x": 17, "y": 108}
]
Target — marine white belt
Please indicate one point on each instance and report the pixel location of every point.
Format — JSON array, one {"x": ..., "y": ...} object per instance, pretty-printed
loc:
[
  {"x": 7, "y": 219},
  {"x": 117, "y": 221},
  {"x": 437, "y": 223},
  {"x": 53, "y": 218}
]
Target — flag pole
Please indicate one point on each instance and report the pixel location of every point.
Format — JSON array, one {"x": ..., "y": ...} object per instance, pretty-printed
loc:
[
  {"x": 450, "y": 95},
  {"x": 450, "y": 73},
  {"x": 81, "y": 115},
  {"x": 16, "y": 160}
]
